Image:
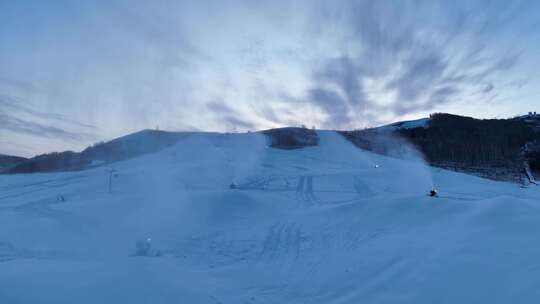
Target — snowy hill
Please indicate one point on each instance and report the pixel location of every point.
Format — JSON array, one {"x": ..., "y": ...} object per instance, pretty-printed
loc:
[
  {"x": 122, "y": 148},
  {"x": 141, "y": 143},
  {"x": 499, "y": 149},
  {"x": 324, "y": 224},
  {"x": 409, "y": 124}
]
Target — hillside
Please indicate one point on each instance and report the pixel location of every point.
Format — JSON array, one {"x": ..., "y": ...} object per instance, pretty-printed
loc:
[
  {"x": 499, "y": 149},
  {"x": 141, "y": 143},
  {"x": 8, "y": 161},
  {"x": 133, "y": 145},
  {"x": 328, "y": 224}
]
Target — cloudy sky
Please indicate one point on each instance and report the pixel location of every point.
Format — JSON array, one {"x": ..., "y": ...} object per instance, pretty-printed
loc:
[{"x": 76, "y": 72}]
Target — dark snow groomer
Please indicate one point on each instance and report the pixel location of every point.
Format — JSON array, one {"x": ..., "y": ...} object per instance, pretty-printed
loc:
[{"x": 433, "y": 192}]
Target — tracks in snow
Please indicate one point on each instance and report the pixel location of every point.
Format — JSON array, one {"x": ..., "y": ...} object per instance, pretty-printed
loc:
[
  {"x": 305, "y": 190},
  {"x": 283, "y": 242}
]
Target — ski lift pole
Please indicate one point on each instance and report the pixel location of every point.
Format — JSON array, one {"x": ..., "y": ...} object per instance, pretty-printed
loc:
[{"x": 111, "y": 174}]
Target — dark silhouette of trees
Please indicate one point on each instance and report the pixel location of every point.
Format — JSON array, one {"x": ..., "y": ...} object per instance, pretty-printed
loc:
[
  {"x": 470, "y": 141},
  {"x": 146, "y": 141},
  {"x": 8, "y": 161},
  {"x": 462, "y": 143},
  {"x": 292, "y": 138}
]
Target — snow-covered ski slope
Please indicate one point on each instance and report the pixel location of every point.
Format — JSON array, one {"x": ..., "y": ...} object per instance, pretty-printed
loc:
[{"x": 326, "y": 224}]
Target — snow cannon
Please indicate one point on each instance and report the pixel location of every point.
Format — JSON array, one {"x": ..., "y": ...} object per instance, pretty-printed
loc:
[
  {"x": 433, "y": 192},
  {"x": 143, "y": 247}
]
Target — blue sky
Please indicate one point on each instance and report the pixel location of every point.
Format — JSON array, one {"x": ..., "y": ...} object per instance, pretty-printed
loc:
[{"x": 76, "y": 72}]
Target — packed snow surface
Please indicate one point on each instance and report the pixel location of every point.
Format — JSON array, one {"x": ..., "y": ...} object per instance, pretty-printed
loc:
[
  {"x": 325, "y": 224},
  {"x": 410, "y": 124}
]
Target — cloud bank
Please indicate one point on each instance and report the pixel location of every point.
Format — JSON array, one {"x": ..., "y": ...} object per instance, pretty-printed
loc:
[{"x": 77, "y": 72}]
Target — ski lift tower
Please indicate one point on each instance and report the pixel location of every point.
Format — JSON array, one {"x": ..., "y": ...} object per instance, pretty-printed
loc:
[{"x": 112, "y": 173}]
